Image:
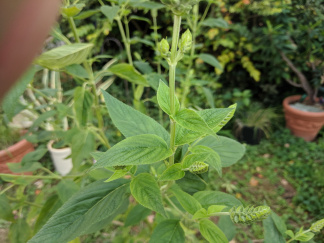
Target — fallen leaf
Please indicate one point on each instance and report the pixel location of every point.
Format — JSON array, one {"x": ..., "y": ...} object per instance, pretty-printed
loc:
[{"x": 253, "y": 182}]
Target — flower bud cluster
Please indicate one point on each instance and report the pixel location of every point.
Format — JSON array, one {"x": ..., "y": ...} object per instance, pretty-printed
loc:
[{"x": 180, "y": 7}]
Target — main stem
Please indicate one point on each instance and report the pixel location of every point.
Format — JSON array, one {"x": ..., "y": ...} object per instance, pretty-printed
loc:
[
  {"x": 172, "y": 71},
  {"x": 93, "y": 86}
]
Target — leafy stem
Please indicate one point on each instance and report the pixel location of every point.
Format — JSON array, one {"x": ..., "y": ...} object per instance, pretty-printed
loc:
[
  {"x": 172, "y": 71},
  {"x": 298, "y": 235}
]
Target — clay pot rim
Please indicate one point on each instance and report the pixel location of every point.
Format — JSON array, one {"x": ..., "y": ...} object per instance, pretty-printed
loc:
[
  {"x": 61, "y": 150},
  {"x": 293, "y": 98},
  {"x": 14, "y": 147}
]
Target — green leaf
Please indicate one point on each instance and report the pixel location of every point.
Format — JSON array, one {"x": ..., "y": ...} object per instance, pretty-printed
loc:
[
  {"x": 66, "y": 188},
  {"x": 63, "y": 56},
  {"x": 11, "y": 100},
  {"x": 174, "y": 172},
  {"x": 82, "y": 144},
  {"x": 190, "y": 119},
  {"x": 82, "y": 104},
  {"x": 290, "y": 233},
  {"x": 5, "y": 208},
  {"x": 217, "y": 118},
  {"x": 136, "y": 215},
  {"x": 136, "y": 150},
  {"x": 146, "y": 191},
  {"x": 72, "y": 10},
  {"x": 271, "y": 233},
  {"x": 229, "y": 150},
  {"x": 19, "y": 231},
  {"x": 215, "y": 22},
  {"x": 52, "y": 204},
  {"x": 19, "y": 168},
  {"x": 131, "y": 122},
  {"x": 305, "y": 237},
  {"x": 147, "y": 5},
  {"x": 163, "y": 97},
  {"x": 185, "y": 136},
  {"x": 34, "y": 156},
  {"x": 212, "y": 157},
  {"x": 77, "y": 70},
  {"x": 188, "y": 202},
  {"x": 168, "y": 231},
  {"x": 191, "y": 183},
  {"x": 119, "y": 174},
  {"x": 128, "y": 72},
  {"x": 201, "y": 213},
  {"x": 209, "y": 198},
  {"x": 94, "y": 203},
  {"x": 279, "y": 223},
  {"x": 192, "y": 158},
  {"x": 227, "y": 226},
  {"x": 211, "y": 60},
  {"x": 215, "y": 209},
  {"x": 211, "y": 232},
  {"x": 110, "y": 12}
]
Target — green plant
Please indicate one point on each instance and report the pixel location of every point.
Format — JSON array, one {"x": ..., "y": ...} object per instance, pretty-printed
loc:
[{"x": 257, "y": 118}]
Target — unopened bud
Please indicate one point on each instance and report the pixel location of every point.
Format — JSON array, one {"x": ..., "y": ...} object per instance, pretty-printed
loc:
[
  {"x": 163, "y": 47},
  {"x": 185, "y": 41},
  {"x": 198, "y": 167}
]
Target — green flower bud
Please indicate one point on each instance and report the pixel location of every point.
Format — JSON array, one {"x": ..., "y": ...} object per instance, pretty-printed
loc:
[
  {"x": 180, "y": 7},
  {"x": 164, "y": 47},
  {"x": 198, "y": 168},
  {"x": 185, "y": 41},
  {"x": 249, "y": 214},
  {"x": 317, "y": 226}
]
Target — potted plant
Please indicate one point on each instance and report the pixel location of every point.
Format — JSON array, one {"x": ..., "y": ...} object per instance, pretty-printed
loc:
[
  {"x": 301, "y": 49},
  {"x": 12, "y": 147},
  {"x": 254, "y": 124}
]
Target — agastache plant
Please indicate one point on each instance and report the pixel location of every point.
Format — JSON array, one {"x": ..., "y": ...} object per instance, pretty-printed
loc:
[{"x": 166, "y": 171}]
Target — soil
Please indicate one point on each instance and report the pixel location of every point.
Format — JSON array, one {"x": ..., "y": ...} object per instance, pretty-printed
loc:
[{"x": 310, "y": 108}]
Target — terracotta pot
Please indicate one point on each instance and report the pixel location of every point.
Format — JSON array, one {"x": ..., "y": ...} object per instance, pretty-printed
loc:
[
  {"x": 14, "y": 154},
  {"x": 302, "y": 124},
  {"x": 62, "y": 165}
]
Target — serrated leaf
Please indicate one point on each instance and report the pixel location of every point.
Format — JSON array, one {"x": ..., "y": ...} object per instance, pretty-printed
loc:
[
  {"x": 215, "y": 209},
  {"x": 131, "y": 122},
  {"x": 96, "y": 202},
  {"x": 305, "y": 237},
  {"x": 136, "y": 215},
  {"x": 190, "y": 119},
  {"x": 128, "y": 72},
  {"x": 211, "y": 60},
  {"x": 201, "y": 213},
  {"x": 66, "y": 188},
  {"x": 11, "y": 99},
  {"x": 217, "y": 118},
  {"x": 229, "y": 150},
  {"x": 136, "y": 150},
  {"x": 185, "y": 136},
  {"x": 188, "y": 202},
  {"x": 163, "y": 97},
  {"x": 168, "y": 231},
  {"x": 119, "y": 174},
  {"x": 63, "y": 56},
  {"x": 209, "y": 198},
  {"x": 146, "y": 191},
  {"x": 211, "y": 232},
  {"x": 110, "y": 12},
  {"x": 174, "y": 172},
  {"x": 192, "y": 158},
  {"x": 192, "y": 183}
]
